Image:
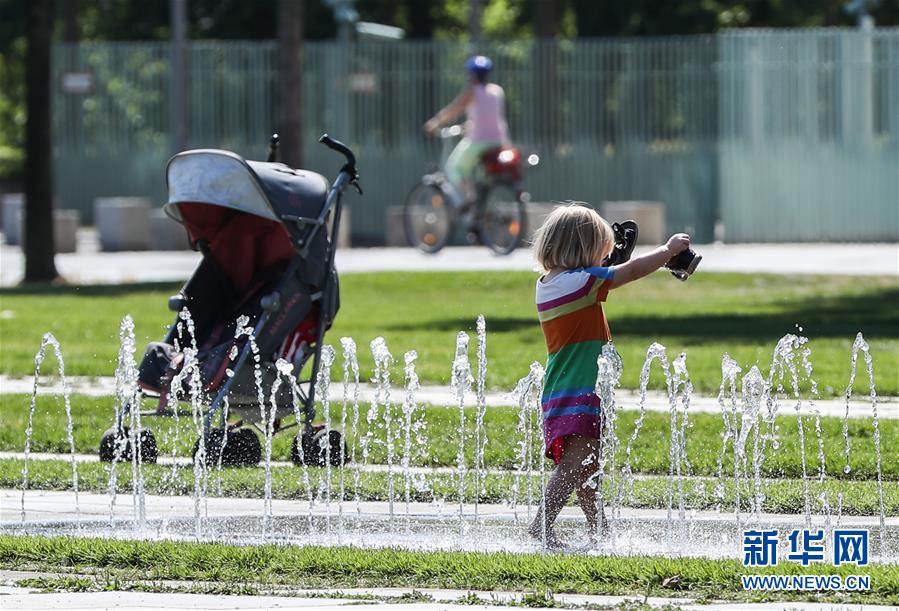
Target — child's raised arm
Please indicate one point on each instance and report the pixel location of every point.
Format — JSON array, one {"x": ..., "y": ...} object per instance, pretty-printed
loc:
[{"x": 646, "y": 264}]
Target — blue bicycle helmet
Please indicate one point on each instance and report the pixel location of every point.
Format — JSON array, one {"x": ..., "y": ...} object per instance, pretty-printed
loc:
[{"x": 479, "y": 65}]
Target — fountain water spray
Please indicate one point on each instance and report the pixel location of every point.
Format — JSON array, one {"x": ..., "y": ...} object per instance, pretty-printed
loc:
[
  {"x": 481, "y": 407},
  {"x": 128, "y": 399},
  {"x": 680, "y": 388},
  {"x": 527, "y": 396},
  {"x": 608, "y": 377},
  {"x": 323, "y": 392},
  {"x": 50, "y": 340},
  {"x": 860, "y": 345},
  {"x": 461, "y": 383},
  {"x": 730, "y": 369},
  {"x": 383, "y": 359},
  {"x": 297, "y": 404},
  {"x": 409, "y": 405},
  {"x": 351, "y": 371}
]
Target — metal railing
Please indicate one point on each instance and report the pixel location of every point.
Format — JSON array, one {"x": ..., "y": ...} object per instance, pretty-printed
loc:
[{"x": 775, "y": 135}]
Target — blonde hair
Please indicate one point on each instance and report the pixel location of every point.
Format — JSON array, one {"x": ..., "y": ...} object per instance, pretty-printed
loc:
[{"x": 573, "y": 235}]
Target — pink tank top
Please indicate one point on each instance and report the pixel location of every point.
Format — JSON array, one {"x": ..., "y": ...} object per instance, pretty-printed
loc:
[{"x": 486, "y": 114}]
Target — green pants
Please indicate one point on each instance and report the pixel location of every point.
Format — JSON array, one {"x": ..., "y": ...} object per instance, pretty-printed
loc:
[{"x": 462, "y": 161}]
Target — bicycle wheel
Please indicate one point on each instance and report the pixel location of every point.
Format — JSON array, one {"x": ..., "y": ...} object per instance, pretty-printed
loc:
[
  {"x": 502, "y": 222},
  {"x": 427, "y": 218}
]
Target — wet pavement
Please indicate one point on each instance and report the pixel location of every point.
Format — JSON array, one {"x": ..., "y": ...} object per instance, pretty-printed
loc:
[{"x": 438, "y": 525}]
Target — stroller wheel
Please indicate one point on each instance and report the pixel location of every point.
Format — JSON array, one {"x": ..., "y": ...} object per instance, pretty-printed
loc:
[
  {"x": 115, "y": 445},
  {"x": 235, "y": 448},
  {"x": 310, "y": 448}
]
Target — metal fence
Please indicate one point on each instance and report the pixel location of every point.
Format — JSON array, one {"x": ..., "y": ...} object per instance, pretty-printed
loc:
[{"x": 772, "y": 135}]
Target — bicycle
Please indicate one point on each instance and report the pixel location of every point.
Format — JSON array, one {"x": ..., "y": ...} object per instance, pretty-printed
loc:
[{"x": 494, "y": 215}]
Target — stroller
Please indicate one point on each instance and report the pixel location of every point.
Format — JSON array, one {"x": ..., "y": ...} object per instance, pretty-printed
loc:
[{"x": 265, "y": 292}]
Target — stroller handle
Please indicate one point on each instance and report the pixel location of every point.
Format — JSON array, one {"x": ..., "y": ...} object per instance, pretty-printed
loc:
[{"x": 340, "y": 147}]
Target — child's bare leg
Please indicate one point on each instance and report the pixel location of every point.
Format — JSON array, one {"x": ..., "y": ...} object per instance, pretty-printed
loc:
[
  {"x": 586, "y": 494},
  {"x": 559, "y": 487},
  {"x": 561, "y": 484},
  {"x": 586, "y": 498}
]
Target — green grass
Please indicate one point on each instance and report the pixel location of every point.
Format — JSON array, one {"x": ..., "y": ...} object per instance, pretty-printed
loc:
[
  {"x": 781, "y": 496},
  {"x": 92, "y": 416},
  {"x": 337, "y": 567},
  {"x": 743, "y": 315}
]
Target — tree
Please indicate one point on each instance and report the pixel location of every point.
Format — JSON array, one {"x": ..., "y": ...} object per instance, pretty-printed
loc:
[
  {"x": 38, "y": 236},
  {"x": 547, "y": 14},
  {"x": 290, "y": 81}
]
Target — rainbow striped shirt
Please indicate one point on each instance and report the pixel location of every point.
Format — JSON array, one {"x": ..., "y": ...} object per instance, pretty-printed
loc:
[{"x": 569, "y": 307}]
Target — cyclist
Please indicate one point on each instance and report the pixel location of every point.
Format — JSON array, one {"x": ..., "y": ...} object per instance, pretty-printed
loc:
[{"x": 484, "y": 104}]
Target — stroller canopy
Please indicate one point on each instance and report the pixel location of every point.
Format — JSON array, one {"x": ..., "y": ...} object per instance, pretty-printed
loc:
[
  {"x": 221, "y": 178},
  {"x": 244, "y": 212}
]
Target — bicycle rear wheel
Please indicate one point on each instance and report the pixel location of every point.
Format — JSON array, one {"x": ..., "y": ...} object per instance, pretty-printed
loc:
[
  {"x": 503, "y": 221},
  {"x": 427, "y": 218}
]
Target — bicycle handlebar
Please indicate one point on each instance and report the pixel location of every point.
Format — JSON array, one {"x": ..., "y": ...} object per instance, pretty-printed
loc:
[
  {"x": 340, "y": 147},
  {"x": 451, "y": 131}
]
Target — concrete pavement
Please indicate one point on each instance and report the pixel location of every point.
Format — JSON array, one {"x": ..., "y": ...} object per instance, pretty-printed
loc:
[
  {"x": 656, "y": 401},
  {"x": 89, "y": 266},
  {"x": 18, "y": 597}
]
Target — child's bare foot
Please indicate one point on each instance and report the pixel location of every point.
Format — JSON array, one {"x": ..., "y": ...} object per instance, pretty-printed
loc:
[{"x": 552, "y": 541}]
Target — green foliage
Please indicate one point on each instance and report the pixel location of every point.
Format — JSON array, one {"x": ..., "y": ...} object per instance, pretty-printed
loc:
[{"x": 12, "y": 110}]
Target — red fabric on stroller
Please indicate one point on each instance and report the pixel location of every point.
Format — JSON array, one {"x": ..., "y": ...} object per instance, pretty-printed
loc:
[
  {"x": 252, "y": 252},
  {"x": 242, "y": 244}
]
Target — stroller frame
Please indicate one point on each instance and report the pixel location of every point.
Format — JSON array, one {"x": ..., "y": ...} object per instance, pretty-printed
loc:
[{"x": 116, "y": 443}]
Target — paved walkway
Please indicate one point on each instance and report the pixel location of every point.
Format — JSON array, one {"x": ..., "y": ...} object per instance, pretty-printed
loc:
[
  {"x": 394, "y": 599},
  {"x": 88, "y": 266},
  {"x": 656, "y": 401},
  {"x": 14, "y": 597}
]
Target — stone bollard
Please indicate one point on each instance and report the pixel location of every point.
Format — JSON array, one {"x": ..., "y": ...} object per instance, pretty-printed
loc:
[
  {"x": 535, "y": 213},
  {"x": 65, "y": 230},
  {"x": 343, "y": 232},
  {"x": 123, "y": 223},
  {"x": 13, "y": 205},
  {"x": 650, "y": 218},
  {"x": 166, "y": 233},
  {"x": 395, "y": 231}
]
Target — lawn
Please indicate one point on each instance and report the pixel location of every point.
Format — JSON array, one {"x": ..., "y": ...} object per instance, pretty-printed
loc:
[
  {"x": 92, "y": 415},
  {"x": 741, "y": 314},
  {"x": 337, "y": 567}
]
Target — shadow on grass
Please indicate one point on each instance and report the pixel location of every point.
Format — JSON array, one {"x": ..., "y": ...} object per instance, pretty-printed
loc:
[
  {"x": 91, "y": 290},
  {"x": 873, "y": 313}
]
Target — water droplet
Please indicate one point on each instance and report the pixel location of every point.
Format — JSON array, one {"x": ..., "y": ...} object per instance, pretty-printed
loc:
[{"x": 847, "y": 469}]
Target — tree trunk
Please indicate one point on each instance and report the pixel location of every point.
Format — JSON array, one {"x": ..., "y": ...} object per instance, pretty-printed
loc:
[
  {"x": 38, "y": 226},
  {"x": 474, "y": 22},
  {"x": 546, "y": 28},
  {"x": 290, "y": 81},
  {"x": 421, "y": 25}
]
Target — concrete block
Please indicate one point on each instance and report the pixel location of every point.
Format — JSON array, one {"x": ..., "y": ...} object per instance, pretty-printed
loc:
[
  {"x": 123, "y": 223},
  {"x": 13, "y": 204},
  {"x": 343, "y": 232},
  {"x": 165, "y": 233},
  {"x": 536, "y": 213},
  {"x": 395, "y": 232},
  {"x": 650, "y": 218},
  {"x": 65, "y": 230}
]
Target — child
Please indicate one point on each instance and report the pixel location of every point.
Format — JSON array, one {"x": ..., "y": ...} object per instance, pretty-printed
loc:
[{"x": 570, "y": 247}]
